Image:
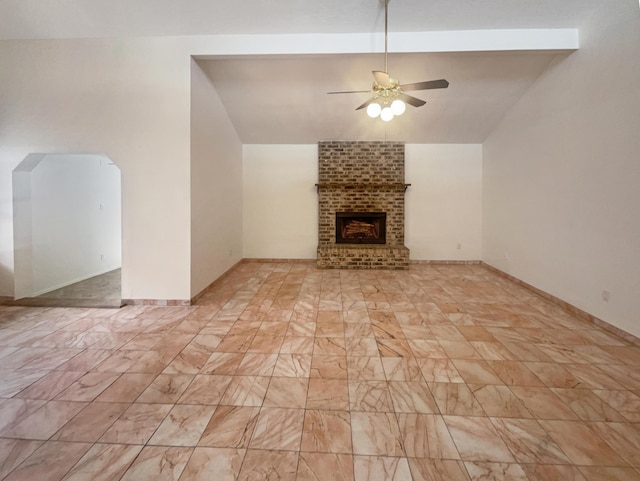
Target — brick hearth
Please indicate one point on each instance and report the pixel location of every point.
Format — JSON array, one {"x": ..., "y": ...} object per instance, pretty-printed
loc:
[{"x": 361, "y": 177}]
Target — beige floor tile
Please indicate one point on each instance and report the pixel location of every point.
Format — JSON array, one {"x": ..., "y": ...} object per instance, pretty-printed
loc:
[
  {"x": 51, "y": 385},
  {"x": 257, "y": 364},
  {"x": 439, "y": 370},
  {"x": 590, "y": 451},
  {"x": 265, "y": 344},
  {"x": 39, "y": 466},
  {"x": 293, "y": 365},
  {"x": 103, "y": 462},
  {"x": 91, "y": 423},
  {"x": 294, "y": 344},
  {"x": 326, "y": 431},
  {"x": 412, "y": 397},
  {"x": 499, "y": 401},
  {"x": 126, "y": 388},
  {"x": 137, "y": 424},
  {"x": 159, "y": 463},
  {"x": 166, "y": 388},
  {"x": 222, "y": 363},
  {"x": 546, "y": 472},
  {"x": 426, "y": 436},
  {"x": 476, "y": 372},
  {"x": 361, "y": 346},
  {"x": 437, "y": 469},
  {"x": 529, "y": 442},
  {"x": 543, "y": 403},
  {"x": 13, "y": 452},
  {"x": 328, "y": 394},
  {"x": 329, "y": 367},
  {"x": 477, "y": 439},
  {"x": 455, "y": 399},
  {"x": 206, "y": 389},
  {"x": 261, "y": 465},
  {"x": 401, "y": 369},
  {"x": 183, "y": 426},
  {"x": 376, "y": 434},
  {"x": 514, "y": 373},
  {"x": 325, "y": 467},
  {"x": 365, "y": 368},
  {"x": 230, "y": 427},
  {"x": 246, "y": 391},
  {"x": 381, "y": 468},
  {"x": 287, "y": 392},
  {"x": 468, "y": 375},
  {"x": 278, "y": 428},
  {"x": 495, "y": 471},
  {"x": 44, "y": 422},
  {"x": 394, "y": 348},
  {"x": 13, "y": 411},
  {"x": 625, "y": 402},
  {"x": 624, "y": 438},
  {"x": 329, "y": 346},
  {"x": 221, "y": 464},
  {"x": 592, "y": 377},
  {"x": 587, "y": 405},
  {"x": 12, "y": 382}
]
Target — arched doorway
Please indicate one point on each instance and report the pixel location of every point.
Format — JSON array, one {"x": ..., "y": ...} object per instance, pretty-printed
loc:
[{"x": 67, "y": 230}]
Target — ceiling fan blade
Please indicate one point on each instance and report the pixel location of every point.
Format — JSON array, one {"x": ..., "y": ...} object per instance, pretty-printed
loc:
[
  {"x": 366, "y": 104},
  {"x": 429, "y": 84},
  {"x": 352, "y": 92},
  {"x": 382, "y": 79},
  {"x": 408, "y": 99}
]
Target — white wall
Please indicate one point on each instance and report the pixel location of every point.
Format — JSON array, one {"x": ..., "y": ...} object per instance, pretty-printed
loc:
[
  {"x": 443, "y": 205},
  {"x": 280, "y": 202},
  {"x": 561, "y": 175},
  {"x": 216, "y": 185},
  {"x": 129, "y": 99},
  {"x": 72, "y": 231},
  {"x": 443, "y": 208}
]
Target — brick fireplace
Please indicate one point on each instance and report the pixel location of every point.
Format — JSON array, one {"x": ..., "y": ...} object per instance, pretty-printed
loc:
[{"x": 361, "y": 193}]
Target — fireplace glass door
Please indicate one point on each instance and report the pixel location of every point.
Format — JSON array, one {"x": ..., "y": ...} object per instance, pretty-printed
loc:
[{"x": 361, "y": 227}]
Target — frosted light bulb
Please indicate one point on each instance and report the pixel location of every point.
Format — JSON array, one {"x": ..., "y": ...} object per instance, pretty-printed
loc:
[
  {"x": 386, "y": 114},
  {"x": 373, "y": 110},
  {"x": 398, "y": 107}
]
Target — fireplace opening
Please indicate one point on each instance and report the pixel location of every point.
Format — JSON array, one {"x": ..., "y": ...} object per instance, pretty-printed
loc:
[{"x": 361, "y": 227}]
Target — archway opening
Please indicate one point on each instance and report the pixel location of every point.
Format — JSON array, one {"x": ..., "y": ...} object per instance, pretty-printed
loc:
[{"x": 67, "y": 231}]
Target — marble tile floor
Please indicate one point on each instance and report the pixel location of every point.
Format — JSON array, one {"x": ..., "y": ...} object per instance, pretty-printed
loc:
[
  {"x": 102, "y": 291},
  {"x": 286, "y": 372}
]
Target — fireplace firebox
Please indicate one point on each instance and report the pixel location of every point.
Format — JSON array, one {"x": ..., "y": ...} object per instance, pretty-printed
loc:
[{"x": 361, "y": 227}]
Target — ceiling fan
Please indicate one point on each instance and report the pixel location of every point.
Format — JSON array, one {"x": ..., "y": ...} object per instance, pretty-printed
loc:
[{"x": 389, "y": 97}]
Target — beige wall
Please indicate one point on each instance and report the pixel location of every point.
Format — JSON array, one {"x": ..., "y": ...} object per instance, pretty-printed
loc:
[
  {"x": 216, "y": 185},
  {"x": 128, "y": 99},
  {"x": 280, "y": 203},
  {"x": 443, "y": 204},
  {"x": 561, "y": 175}
]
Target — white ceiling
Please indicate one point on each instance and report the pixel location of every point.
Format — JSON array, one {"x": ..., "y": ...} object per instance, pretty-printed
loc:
[
  {"x": 108, "y": 18},
  {"x": 282, "y": 99}
]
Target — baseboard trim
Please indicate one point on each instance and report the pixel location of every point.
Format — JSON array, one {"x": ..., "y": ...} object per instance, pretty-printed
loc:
[
  {"x": 218, "y": 280},
  {"x": 277, "y": 261},
  {"x": 576, "y": 311},
  {"x": 446, "y": 262},
  {"x": 157, "y": 302}
]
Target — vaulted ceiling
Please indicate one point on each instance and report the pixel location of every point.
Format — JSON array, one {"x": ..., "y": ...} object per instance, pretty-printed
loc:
[{"x": 282, "y": 98}]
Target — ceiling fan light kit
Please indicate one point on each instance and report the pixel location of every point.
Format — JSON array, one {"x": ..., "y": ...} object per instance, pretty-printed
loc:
[{"x": 389, "y": 98}]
